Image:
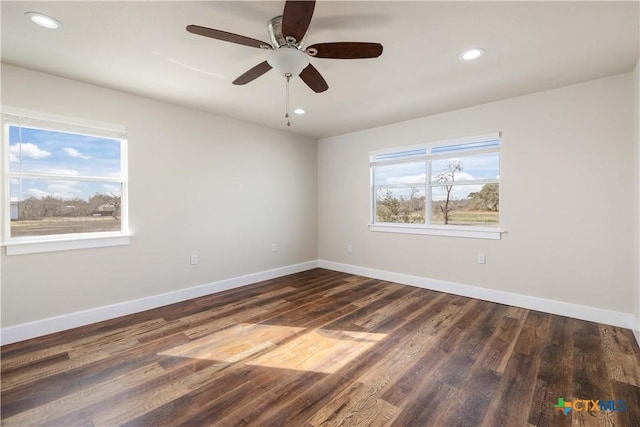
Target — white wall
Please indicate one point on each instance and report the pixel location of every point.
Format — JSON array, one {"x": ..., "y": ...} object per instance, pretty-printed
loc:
[
  {"x": 199, "y": 184},
  {"x": 567, "y": 195},
  {"x": 568, "y": 190},
  {"x": 636, "y": 92}
]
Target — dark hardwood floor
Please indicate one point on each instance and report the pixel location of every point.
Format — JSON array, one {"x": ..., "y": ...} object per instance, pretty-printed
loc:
[{"x": 323, "y": 348}]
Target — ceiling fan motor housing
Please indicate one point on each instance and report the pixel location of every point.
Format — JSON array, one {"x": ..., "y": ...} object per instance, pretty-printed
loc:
[{"x": 274, "y": 28}]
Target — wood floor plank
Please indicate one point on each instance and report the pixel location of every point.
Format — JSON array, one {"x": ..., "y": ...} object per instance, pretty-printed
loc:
[
  {"x": 621, "y": 354},
  {"x": 140, "y": 399},
  {"x": 357, "y": 405},
  {"x": 285, "y": 386},
  {"x": 324, "y": 348},
  {"x": 555, "y": 375},
  {"x": 411, "y": 360},
  {"x": 41, "y": 414},
  {"x": 469, "y": 404},
  {"x": 293, "y": 412},
  {"x": 587, "y": 368},
  {"x": 439, "y": 364},
  {"x": 512, "y": 400},
  {"x": 499, "y": 348},
  {"x": 631, "y": 396},
  {"x": 29, "y": 395},
  {"x": 42, "y": 360}
]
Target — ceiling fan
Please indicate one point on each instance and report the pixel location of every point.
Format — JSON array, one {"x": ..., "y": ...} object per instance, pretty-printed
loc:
[{"x": 288, "y": 55}]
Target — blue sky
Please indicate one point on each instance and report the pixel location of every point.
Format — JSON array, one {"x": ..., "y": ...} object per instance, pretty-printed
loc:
[{"x": 64, "y": 154}]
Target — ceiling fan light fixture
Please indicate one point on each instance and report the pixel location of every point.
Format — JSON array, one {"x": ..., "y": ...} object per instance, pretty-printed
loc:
[
  {"x": 472, "y": 54},
  {"x": 43, "y": 20},
  {"x": 288, "y": 61},
  {"x": 299, "y": 111}
]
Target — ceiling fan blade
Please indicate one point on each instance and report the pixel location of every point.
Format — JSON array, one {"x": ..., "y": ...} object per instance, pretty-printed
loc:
[
  {"x": 253, "y": 73},
  {"x": 345, "y": 50},
  {"x": 296, "y": 18},
  {"x": 313, "y": 79},
  {"x": 227, "y": 37}
]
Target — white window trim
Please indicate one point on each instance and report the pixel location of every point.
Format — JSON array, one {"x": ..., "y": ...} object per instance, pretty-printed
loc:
[
  {"x": 492, "y": 233},
  {"x": 439, "y": 230},
  {"x": 61, "y": 242},
  {"x": 66, "y": 242}
]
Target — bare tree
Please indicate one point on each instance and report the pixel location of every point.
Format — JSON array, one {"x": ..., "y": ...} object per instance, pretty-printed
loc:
[
  {"x": 117, "y": 202},
  {"x": 448, "y": 175}
]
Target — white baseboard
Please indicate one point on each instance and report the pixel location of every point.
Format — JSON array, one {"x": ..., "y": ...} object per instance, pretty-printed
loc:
[
  {"x": 50, "y": 325},
  {"x": 592, "y": 314},
  {"x": 68, "y": 321}
]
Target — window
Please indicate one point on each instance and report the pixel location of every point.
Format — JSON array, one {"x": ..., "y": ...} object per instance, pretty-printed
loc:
[
  {"x": 445, "y": 188},
  {"x": 63, "y": 183}
]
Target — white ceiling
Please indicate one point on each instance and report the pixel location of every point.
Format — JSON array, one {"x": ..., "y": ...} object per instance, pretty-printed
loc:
[{"x": 143, "y": 48}]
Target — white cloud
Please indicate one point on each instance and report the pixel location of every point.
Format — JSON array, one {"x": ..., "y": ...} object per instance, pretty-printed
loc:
[
  {"x": 458, "y": 192},
  {"x": 409, "y": 179},
  {"x": 72, "y": 152},
  {"x": 60, "y": 191},
  {"x": 463, "y": 176},
  {"x": 459, "y": 176},
  {"x": 26, "y": 149},
  {"x": 420, "y": 178},
  {"x": 63, "y": 191}
]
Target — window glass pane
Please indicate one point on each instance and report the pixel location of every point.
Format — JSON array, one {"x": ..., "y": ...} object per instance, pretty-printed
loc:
[
  {"x": 475, "y": 205},
  {"x": 62, "y": 153},
  {"x": 403, "y": 174},
  {"x": 460, "y": 179},
  {"x": 400, "y": 205},
  {"x": 481, "y": 166},
  {"x": 50, "y": 206}
]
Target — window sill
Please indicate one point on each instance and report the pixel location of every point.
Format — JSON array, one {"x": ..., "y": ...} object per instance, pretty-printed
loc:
[
  {"x": 33, "y": 246},
  {"x": 435, "y": 230}
]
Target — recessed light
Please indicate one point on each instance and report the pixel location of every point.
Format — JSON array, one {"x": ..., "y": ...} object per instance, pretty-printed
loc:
[
  {"x": 470, "y": 54},
  {"x": 299, "y": 111},
  {"x": 43, "y": 20}
]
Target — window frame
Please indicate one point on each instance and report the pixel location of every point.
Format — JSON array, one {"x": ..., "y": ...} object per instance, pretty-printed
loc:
[
  {"x": 12, "y": 116},
  {"x": 470, "y": 231}
]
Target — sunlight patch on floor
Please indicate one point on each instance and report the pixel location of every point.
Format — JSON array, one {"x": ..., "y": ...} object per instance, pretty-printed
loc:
[
  {"x": 318, "y": 350},
  {"x": 235, "y": 343}
]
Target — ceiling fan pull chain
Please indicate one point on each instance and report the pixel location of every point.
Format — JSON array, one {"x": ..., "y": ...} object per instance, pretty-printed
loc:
[{"x": 286, "y": 114}]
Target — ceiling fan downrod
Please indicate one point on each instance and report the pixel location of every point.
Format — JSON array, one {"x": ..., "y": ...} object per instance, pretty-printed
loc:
[{"x": 286, "y": 113}]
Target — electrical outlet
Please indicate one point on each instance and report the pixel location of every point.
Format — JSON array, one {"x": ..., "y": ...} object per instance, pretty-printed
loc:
[
  {"x": 482, "y": 259},
  {"x": 274, "y": 247},
  {"x": 194, "y": 259},
  {"x": 349, "y": 249}
]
